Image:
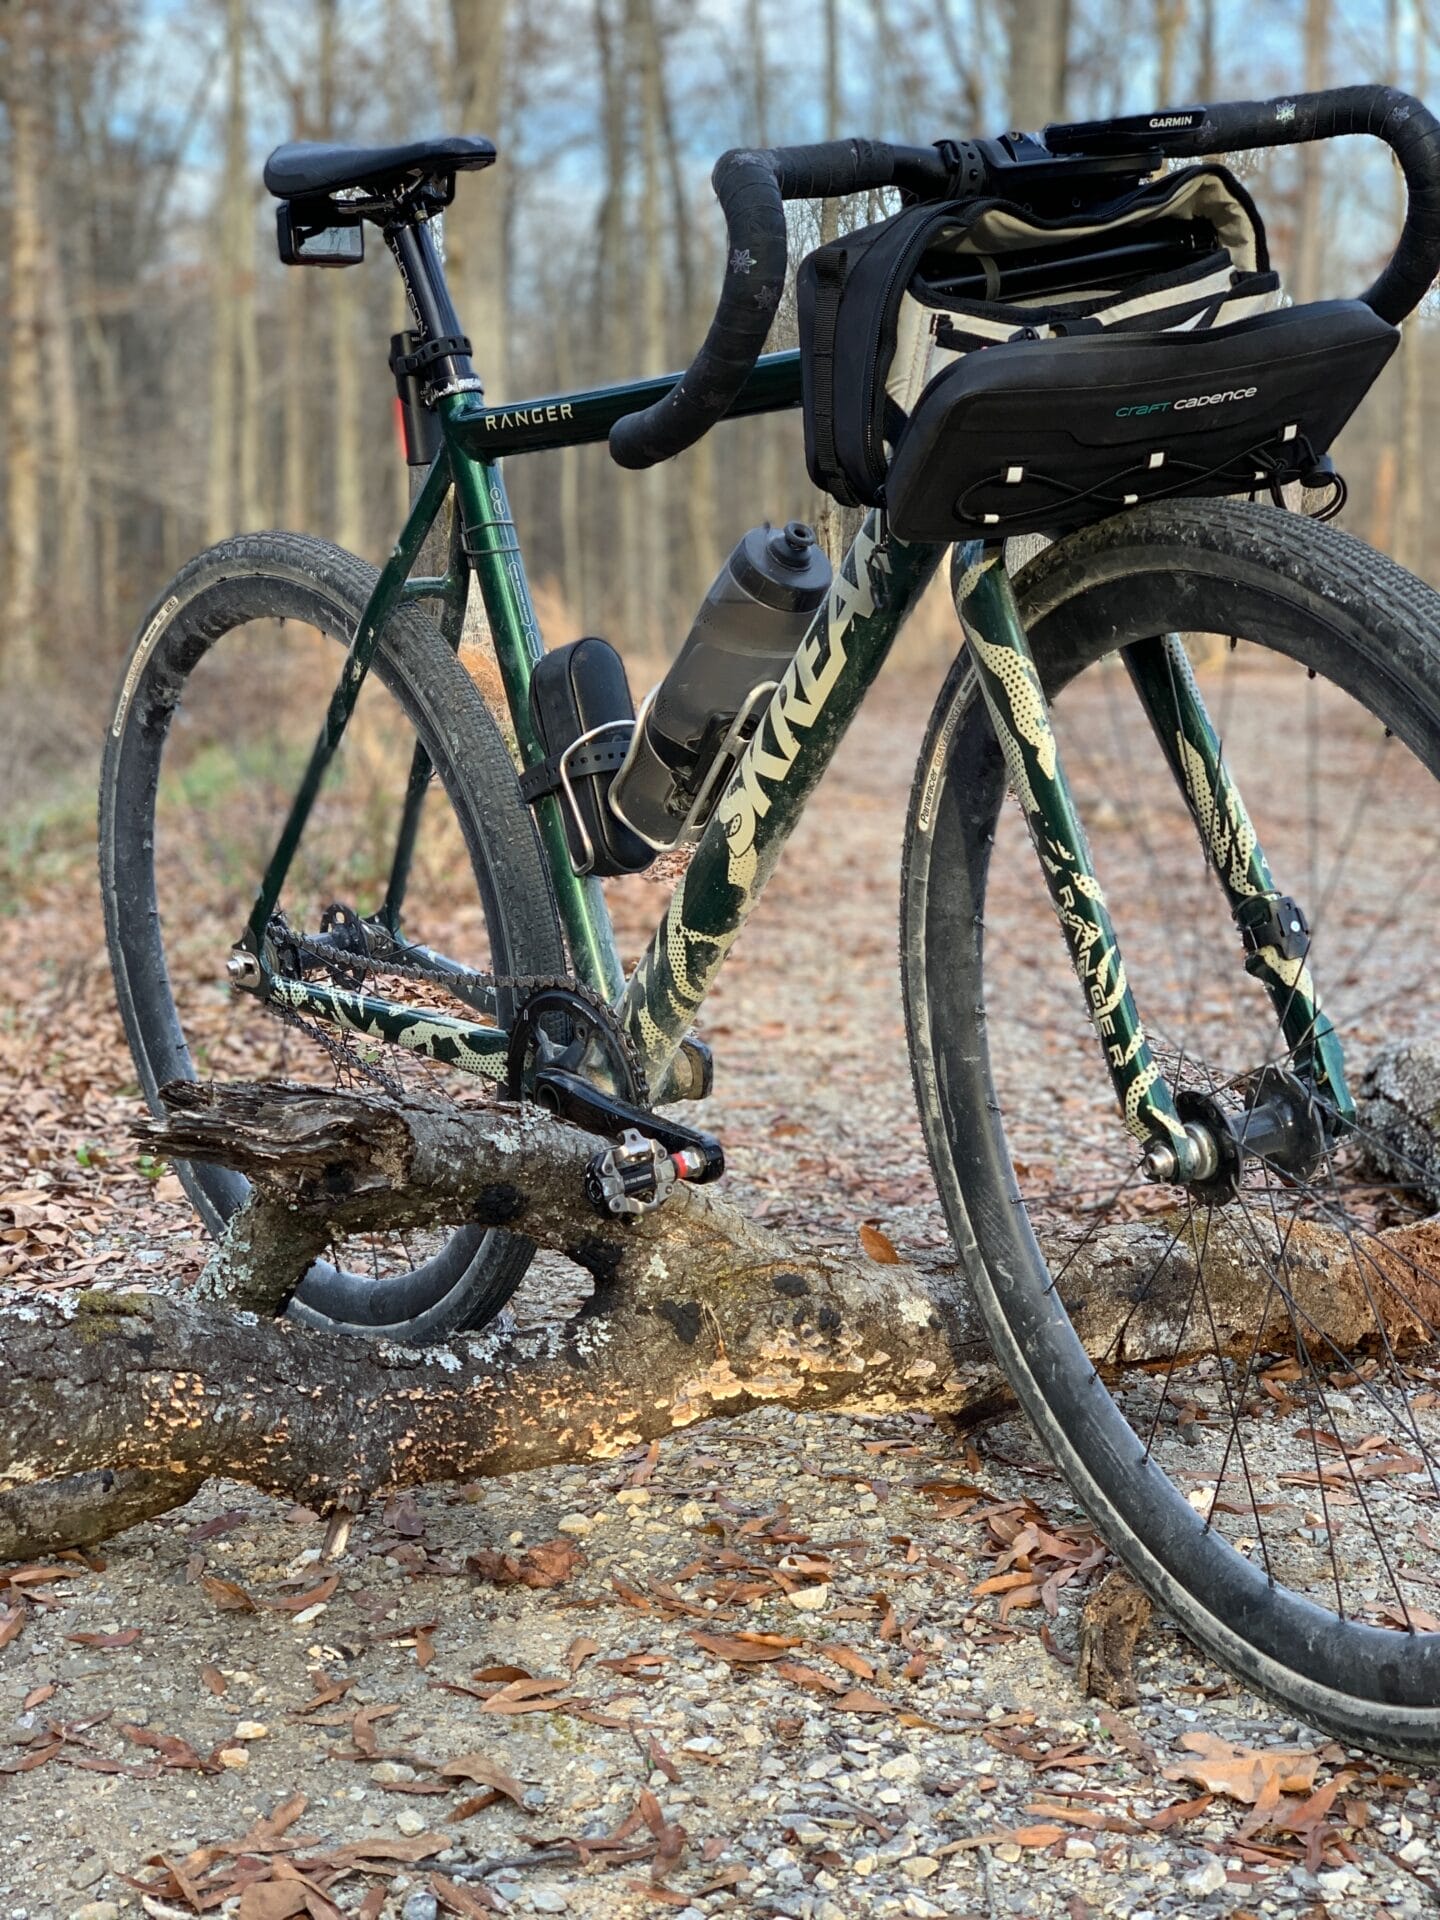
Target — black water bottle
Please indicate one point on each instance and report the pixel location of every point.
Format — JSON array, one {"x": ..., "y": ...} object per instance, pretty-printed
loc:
[{"x": 742, "y": 640}]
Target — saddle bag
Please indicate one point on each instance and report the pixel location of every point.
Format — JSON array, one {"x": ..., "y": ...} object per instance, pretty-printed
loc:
[
  {"x": 978, "y": 369},
  {"x": 581, "y": 708}
]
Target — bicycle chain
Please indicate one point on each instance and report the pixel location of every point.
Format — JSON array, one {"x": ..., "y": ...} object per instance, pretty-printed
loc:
[{"x": 525, "y": 985}]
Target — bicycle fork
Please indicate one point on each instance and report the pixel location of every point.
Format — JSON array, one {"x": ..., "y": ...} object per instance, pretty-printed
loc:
[{"x": 1179, "y": 1134}]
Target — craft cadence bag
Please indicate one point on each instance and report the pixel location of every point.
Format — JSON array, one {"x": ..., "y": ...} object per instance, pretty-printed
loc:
[{"x": 980, "y": 370}]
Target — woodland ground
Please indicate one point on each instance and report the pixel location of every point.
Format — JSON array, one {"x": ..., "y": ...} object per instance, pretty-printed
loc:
[{"x": 643, "y": 1718}]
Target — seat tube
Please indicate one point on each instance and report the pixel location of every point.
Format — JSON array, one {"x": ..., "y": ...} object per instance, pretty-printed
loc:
[
  {"x": 493, "y": 551},
  {"x": 1010, "y": 685}
]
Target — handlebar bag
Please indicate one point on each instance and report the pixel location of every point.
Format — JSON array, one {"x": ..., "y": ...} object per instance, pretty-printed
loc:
[
  {"x": 884, "y": 310},
  {"x": 1044, "y": 437},
  {"x": 896, "y": 321}
]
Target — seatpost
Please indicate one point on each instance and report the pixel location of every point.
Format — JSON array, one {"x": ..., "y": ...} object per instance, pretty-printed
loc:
[{"x": 447, "y": 367}]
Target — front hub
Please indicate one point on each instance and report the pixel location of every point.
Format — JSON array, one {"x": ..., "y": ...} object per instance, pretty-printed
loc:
[{"x": 1281, "y": 1126}]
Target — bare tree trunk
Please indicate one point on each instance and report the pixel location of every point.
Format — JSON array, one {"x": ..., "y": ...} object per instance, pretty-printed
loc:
[
  {"x": 830, "y": 209},
  {"x": 1169, "y": 22},
  {"x": 295, "y": 425},
  {"x": 573, "y": 568},
  {"x": 966, "y": 57},
  {"x": 643, "y": 54},
  {"x": 24, "y": 370},
  {"x": 344, "y": 400},
  {"x": 1036, "y": 68},
  {"x": 613, "y": 310},
  {"x": 1310, "y": 237},
  {"x": 234, "y": 267},
  {"x": 1410, "y": 519},
  {"x": 475, "y": 225},
  {"x": 834, "y": 525},
  {"x": 74, "y": 575},
  {"x": 1208, "y": 81}
]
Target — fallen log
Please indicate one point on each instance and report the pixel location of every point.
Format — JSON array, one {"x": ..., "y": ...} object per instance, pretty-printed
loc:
[{"x": 696, "y": 1312}]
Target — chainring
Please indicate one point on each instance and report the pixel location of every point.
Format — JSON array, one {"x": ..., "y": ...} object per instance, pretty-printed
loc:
[{"x": 591, "y": 1024}]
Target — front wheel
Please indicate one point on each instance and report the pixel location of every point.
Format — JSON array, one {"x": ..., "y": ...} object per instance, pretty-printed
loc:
[
  {"x": 219, "y": 706},
  {"x": 1269, "y": 1475}
]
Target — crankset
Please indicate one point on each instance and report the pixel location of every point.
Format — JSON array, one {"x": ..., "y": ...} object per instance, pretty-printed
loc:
[{"x": 651, "y": 1155}]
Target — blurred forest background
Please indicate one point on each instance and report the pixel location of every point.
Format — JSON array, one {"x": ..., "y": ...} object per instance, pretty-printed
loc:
[{"x": 165, "y": 381}]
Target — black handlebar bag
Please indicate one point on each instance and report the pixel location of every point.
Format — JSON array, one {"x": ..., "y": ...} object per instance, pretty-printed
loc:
[{"x": 979, "y": 370}]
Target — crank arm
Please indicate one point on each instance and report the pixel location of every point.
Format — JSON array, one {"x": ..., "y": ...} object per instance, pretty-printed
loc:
[
  {"x": 652, "y": 1155},
  {"x": 576, "y": 1100}
]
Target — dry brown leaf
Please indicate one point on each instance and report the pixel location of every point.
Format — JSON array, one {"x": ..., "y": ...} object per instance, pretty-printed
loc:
[
  {"x": 273, "y": 1900},
  {"x": 471, "y": 1903},
  {"x": 1001, "y": 1583},
  {"x": 1037, "y": 1836},
  {"x": 1179, "y": 1811},
  {"x": 849, "y": 1659},
  {"x": 12, "y": 1620},
  {"x": 531, "y": 1696},
  {"x": 1241, "y": 1773},
  {"x": 327, "y": 1692},
  {"x": 745, "y": 1648},
  {"x": 860, "y": 1700},
  {"x": 37, "y": 1576},
  {"x": 227, "y": 1594},
  {"x": 222, "y": 1523},
  {"x": 312, "y": 1597},
  {"x": 581, "y": 1649},
  {"x": 484, "y": 1773},
  {"x": 877, "y": 1245},
  {"x": 356, "y": 1853},
  {"x": 547, "y": 1565},
  {"x": 213, "y": 1679},
  {"x": 809, "y": 1677},
  {"x": 109, "y": 1641}
]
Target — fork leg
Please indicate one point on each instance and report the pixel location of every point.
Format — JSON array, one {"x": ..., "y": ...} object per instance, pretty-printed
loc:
[
  {"x": 1161, "y": 672},
  {"x": 1010, "y": 684}
]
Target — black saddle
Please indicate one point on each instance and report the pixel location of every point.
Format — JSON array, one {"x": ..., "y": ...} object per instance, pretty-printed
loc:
[{"x": 305, "y": 168}]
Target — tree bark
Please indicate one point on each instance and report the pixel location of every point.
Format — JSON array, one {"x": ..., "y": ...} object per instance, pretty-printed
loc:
[
  {"x": 1310, "y": 237},
  {"x": 24, "y": 377},
  {"x": 696, "y": 1312},
  {"x": 1037, "y": 62},
  {"x": 475, "y": 225}
]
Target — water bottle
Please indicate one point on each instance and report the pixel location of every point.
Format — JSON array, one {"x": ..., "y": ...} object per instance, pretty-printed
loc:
[{"x": 742, "y": 639}]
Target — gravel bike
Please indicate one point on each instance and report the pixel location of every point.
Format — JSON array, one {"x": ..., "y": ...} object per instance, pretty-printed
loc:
[{"x": 423, "y": 892}]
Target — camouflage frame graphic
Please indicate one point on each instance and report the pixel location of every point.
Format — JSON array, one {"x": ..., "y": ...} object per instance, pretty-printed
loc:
[
  {"x": 463, "y": 1044},
  {"x": 879, "y": 581},
  {"x": 1010, "y": 684},
  {"x": 1161, "y": 671}
]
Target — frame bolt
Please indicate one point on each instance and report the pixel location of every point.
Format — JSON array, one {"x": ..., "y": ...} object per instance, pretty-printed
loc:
[
  {"x": 243, "y": 969},
  {"x": 1159, "y": 1162}
]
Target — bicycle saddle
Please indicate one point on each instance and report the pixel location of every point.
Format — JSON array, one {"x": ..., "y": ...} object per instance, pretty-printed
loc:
[{"x": 314, "y": 166}]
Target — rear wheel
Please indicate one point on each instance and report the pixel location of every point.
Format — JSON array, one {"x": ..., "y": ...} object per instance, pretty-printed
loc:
[
  {"x": 1268, "y": 1473},
  {"x": 218, "y": 710}
]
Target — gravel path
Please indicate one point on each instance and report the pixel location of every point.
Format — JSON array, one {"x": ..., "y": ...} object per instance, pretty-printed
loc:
[{"x": 763, "y": 1680}]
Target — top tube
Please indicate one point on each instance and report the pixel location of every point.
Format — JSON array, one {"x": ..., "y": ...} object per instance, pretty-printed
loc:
[{"x": 580, "y": 419}]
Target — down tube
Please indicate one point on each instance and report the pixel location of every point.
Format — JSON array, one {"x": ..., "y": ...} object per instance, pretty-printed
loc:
[{"x": 845, "y": 647}]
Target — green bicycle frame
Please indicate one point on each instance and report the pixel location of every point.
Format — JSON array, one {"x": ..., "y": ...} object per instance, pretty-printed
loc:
[{"x": 875, "y": 587}]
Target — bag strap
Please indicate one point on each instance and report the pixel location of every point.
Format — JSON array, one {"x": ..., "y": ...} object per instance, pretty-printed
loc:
[
  {"x": 828, "y": 266},
  {"x": 597, "y": 756}
]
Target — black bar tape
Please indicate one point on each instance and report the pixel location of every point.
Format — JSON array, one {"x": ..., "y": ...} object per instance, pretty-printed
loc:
[
  {"x": 751, "y": 185},
  {"x": 1409, "y": 129}
]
